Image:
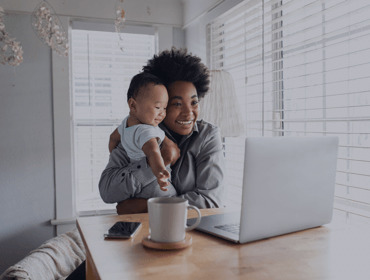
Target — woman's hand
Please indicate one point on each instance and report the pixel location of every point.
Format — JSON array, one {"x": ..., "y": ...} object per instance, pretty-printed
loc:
[
  {"x": 132, "y": 206},
  {"x": 114, "y": 140},
  {"x": 169, "y": 151}
]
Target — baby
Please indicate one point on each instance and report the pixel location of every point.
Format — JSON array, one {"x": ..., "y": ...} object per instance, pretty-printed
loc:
[{"x": 147, "y": 99}]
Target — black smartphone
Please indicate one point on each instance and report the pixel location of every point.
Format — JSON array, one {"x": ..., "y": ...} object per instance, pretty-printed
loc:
[{"x": 123, "y": 230}]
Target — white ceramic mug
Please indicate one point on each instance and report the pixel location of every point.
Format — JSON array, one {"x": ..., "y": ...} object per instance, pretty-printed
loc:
[{"x": 167, "y": 219}]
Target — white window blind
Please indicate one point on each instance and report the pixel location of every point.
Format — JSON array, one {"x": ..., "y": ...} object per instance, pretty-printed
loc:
[
  {"x": 302, "y": 68},
  {"x": 102, "y": 68}
]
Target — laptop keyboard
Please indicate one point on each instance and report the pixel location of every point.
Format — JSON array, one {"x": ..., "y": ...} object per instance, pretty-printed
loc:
[{"x": 233, "y": 228}]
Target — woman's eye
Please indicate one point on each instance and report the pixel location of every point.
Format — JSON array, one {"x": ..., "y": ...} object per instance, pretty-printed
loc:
[
  {"x": 195, "y": 103},
  {"x": 177, "y": 104},
  {"x": 157, "y": 108}
]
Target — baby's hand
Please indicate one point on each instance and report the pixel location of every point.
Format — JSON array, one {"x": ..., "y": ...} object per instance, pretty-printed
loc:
[{"x": 163, "y": 180}]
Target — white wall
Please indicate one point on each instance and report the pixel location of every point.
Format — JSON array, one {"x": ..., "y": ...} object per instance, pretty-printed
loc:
[
  {"x": 27, "y": 164},
  {"x": 193, "y": 9},
  {"x": 26, "y": 147},
  {"x": 155, "y": 11}
]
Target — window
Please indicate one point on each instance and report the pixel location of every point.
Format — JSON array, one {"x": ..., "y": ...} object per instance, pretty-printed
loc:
[
  {"x": 301, "y": 68},
  {"x": 103, "y": 64}
]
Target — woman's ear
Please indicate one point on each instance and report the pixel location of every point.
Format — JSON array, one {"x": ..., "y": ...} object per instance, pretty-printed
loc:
[{"x": 131, "y": 104}]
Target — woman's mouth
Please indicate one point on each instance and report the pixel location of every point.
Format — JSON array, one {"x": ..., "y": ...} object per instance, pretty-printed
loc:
[{"x": 185, "y": 122}]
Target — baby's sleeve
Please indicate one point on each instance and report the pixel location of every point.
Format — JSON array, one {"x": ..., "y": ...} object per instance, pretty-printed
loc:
[{"x": 147, "y": 132}]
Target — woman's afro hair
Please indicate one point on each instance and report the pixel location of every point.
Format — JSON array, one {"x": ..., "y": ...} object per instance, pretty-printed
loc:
[{"x": 179, "y": 65}]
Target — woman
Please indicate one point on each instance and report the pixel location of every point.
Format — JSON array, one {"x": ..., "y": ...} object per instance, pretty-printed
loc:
[{"x": 194, "y": 152}]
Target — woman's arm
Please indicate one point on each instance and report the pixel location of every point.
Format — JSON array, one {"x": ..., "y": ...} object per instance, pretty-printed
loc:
[
  {"x": 117, "y": 183},
  {"x": 114, "y": 140},
  {"x": 121, "y": 178},
  {"x": 132, "y": 206}
]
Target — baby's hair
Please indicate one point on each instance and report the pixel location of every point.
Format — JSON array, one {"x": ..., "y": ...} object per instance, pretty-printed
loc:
[
  {"x": 139, "y": 81},
  {"x": 179, "y": 65}
]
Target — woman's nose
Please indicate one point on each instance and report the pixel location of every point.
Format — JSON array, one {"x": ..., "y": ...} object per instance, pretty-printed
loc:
[{"x": 186, "y": 110}]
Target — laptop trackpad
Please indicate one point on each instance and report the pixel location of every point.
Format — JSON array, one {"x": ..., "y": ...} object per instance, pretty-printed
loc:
[{"x": 222, "y": 225}]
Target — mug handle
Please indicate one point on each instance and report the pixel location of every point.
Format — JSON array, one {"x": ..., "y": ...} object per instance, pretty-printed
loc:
[{"x": 193, "y": 226}]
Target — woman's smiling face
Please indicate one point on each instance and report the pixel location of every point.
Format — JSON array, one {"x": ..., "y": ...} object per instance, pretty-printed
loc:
[{"x": 183, "y": 107}]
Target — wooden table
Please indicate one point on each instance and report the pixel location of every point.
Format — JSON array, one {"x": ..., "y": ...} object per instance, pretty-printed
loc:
[{"x": 334, "y": 251}]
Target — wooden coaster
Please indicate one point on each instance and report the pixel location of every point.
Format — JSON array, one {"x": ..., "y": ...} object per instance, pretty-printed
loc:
[{"x": 167, "y": 246}]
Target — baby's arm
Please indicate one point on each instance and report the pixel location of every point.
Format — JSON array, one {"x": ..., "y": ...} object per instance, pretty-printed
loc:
[{"x": 153, "y": 154}]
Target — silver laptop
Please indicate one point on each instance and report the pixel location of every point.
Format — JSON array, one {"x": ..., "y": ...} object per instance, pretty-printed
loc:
[{"x": 288, "y": 185}]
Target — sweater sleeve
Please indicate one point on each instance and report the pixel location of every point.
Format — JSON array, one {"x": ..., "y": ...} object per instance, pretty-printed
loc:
[{"x": 121, "y": 178}]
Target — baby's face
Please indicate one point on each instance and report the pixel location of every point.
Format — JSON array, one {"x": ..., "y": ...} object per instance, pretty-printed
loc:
[{"x": 151, "y": 104}]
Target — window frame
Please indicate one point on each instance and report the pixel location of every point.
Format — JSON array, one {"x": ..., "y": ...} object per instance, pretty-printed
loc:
[
  {"x": 65, "y": 210},
  {"x": 63, "y": 150},
  {"x": 92, "y": 123}
]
